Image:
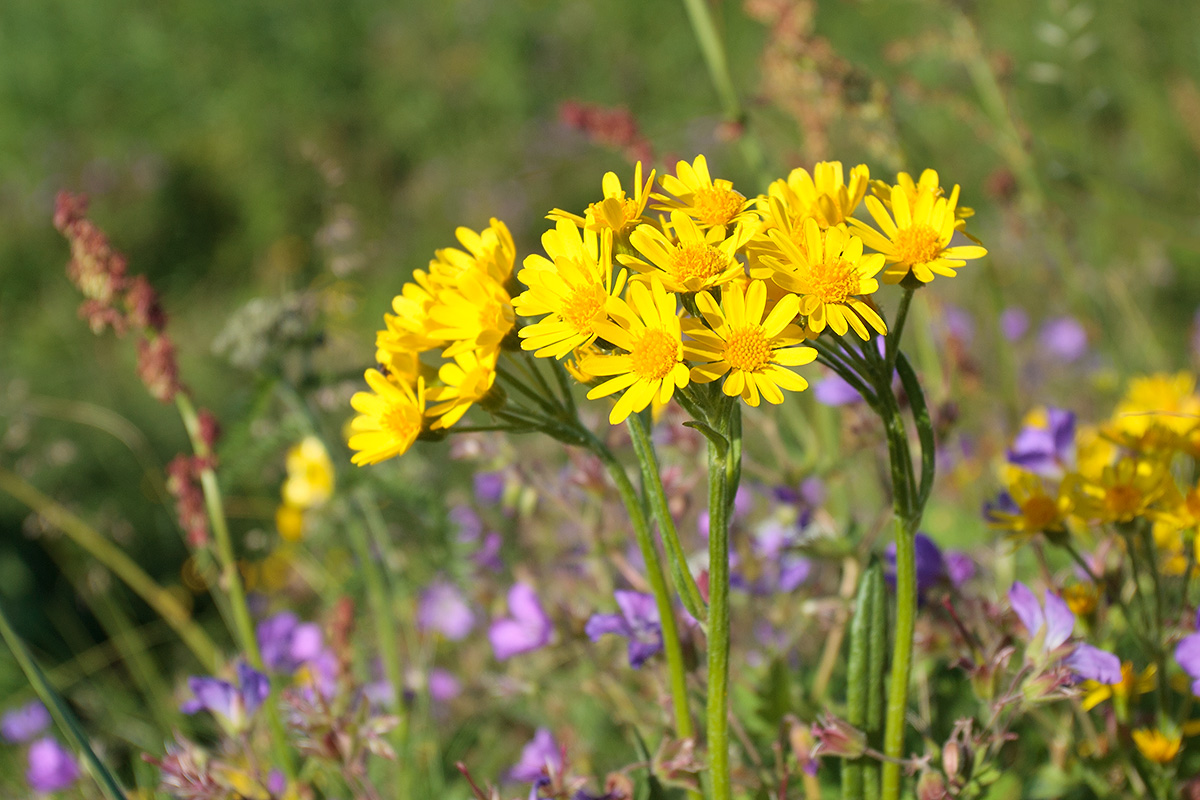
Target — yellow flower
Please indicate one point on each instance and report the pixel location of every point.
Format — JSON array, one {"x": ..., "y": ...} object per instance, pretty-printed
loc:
[
  {"x": 289, "y": 521},
  {"x": 1034, "y": 505},
  {"x": 1156, "y": 746},
  {"x": 823, "y": 196},
  {"x": 309, "y": 482},
  {"x": 697, "y": 261},
  {"x": 573, "y": 290},
  {"x": 408, "y": 330},
  {"x": 389, "y": 419},
  {"x": 467, "y": 381},
  {"x": 617, "y": 212},
  {"x": 712, "y": 203},
  {"x": 1159, "y": 412},
  {"x": 1123, "y": 490},
  {"x": 490, "y": 251},
  {"x": 647, "y": 328},
  {"x": 917, "y": 242},
  {"x": 756, "y": 353},
  {"x": 1130, "y": 685},
  {"x": 476, "y": 315},
  {"x": 830, "y": 273},
  {"x": 929, "y": 183},
  {"x": 1081, "y": 598}
]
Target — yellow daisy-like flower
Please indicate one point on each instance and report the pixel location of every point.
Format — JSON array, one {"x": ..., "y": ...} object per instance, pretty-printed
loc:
[
  {"x": 1130, "y": 685},
  {"x": 466, "y": 381},
  {"x": 309, "y": 482},
  {"x": 1032, "y": 505},
  {"x": 712, "y": 203},
  {"x": 617, "y": 212},
  {"x": 831, "y": 274},
  {"x": 1157, "y": 746},
  {"x": 289, "y": 521},
  {"x": 695, "y": 262},
  {"x": 647, "y": 328},
  {"x": 491, "y": 251},
  {"x": 929, "y": 183},
  {"x": 918, "y": 240},
  {"x": 1081, "y": 598},
  {"x": 389, "y": 419},
  {"x": 754, "y": 352},
  {"x": 476, "y": 315},
  {"x": 1124, "y": 490},
  {"x": 1159, "y": 412},
  {"x": 573, "y": 290},
  {"x": 824, "y": 196},
  {"x": 408, "y": 330}
]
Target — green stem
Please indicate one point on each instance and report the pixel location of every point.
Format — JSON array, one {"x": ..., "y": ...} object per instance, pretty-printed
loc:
[
  {"x": 685, "y": 584},
  {"x": 658, "y": 585},
  {"x": 114, "y": 558},
  {"x": 713, "y": 50},
  {"x": 892, "y": 340},
  {"x": 719, "y": 469},
  {"x": 62, "y": 714}
]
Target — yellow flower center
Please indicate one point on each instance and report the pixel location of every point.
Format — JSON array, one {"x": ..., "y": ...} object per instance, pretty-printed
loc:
[
  {"x": 1192, "y": 503},
  {"x": 747, "y": 349},
  {"x": 1081, "y": 598},
  {"x": 1040, "y": 512},
  {"x": 596, "y": 220},
  {"x": 716, "y": 205},
  {"x": 833, "y": 280},
  {"x": 698, "y": 262},
  {"x": 654, "y": 354},
  {"x": 918, "y": 244},
  {"x": 585, "y": 307},
  {"x": 403, "y": 422},
  {"x": 1122, "y": 500}
]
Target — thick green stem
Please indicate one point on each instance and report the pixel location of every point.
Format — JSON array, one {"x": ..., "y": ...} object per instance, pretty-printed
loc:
[
  {"x": 59, "y": 710},
  {"x": 892, "y": 341},
  {"x": 658, "y": 585},
  {"x": 719, "y": 469},
  {"x": 685, "y": 584}
]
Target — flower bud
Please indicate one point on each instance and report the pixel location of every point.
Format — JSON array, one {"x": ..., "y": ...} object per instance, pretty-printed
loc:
[
  {"x": 836, "y": 737},
  {"x": 931, "y": 787}
]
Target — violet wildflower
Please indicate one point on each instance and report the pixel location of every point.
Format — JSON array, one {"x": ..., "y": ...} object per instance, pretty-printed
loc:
[
  {"x": 234, "y": 704},
  {"x": 52, "y": 768},
  {"x": 489, "y": 487},
  {"x": 835, "y": 391},
  {"x": 638, "y": 621},
  {"x": 24, "y": 723},
  {"x": 443, "y": 609},
  {"x": 529, "y": 628},
  {"x": 488, "y": 555},
  {"x": 286, "y": 643},
  {"x": 931, "y": 566},
  {"x": 539, "y": 757},
  {"x": 959, "y": 324},
  {"x": 1050, "y": 625},
  {"x": 960, "y": 567},
  {"x": 1064, "y": 338},
  {"x": 1014, "y": 323},
  {"x": 443, "y": 686},
  {"x": 468, "y": 525},
  {"x": 1187, "y": 653},
  {"x": 1046, "y": 450},
  {"x": 806, "y": 499}
]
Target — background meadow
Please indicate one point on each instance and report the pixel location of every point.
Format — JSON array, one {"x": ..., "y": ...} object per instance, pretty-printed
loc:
[{"x": 278, "y": 169}]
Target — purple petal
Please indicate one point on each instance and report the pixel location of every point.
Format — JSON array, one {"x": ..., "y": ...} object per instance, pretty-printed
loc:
[
  {"x": 834, "y": 391},
  {"x": 637, "y": 608},
  {"x": 541, "y": 752},
  {"x": 793, "y": 572},
  {"x": 510, "y": 638},
  {"x": 1033, "y": 449},
  {"x": 959, "y": 567},
  {"x": 52, "y": 768},
  {"x": 468, "y": 523},
  {"x": 524, "y": 605},
  {"x": 443, "y": 609},
  {"x": 274, "y": 636},
  {"x": 1064, "y": 338},
  {"x": 1187, "y": 653},
  {"x": 276, "y": 783},
  {"x": 213, "y": 695},
  {"x": 1025, "y": 604},
  {"x": 1095, "y": 664},
  {"x": 641, "y": 649},
  {"x": 307, "y": 641},
  {"x": 1014, "y": 323},
  {"x": 256, "y": 688},
  {"x": 24, "y": 723},
  {"x": 1062, "y": 427},
  {"x": 600, "y": 624},
  {"x": 1060, "y": 621},
  {"x": 443, "y": 686},
  {"x": 489, "y": 487}
]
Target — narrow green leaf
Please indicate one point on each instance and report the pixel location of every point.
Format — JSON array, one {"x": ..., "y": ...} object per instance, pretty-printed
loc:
[{"x": 916, "y": 399}]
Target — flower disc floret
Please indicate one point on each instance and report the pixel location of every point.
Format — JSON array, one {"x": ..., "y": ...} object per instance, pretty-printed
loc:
[
  {"x": 692, "y": 262},
  {"x": 711, "y": 203}
]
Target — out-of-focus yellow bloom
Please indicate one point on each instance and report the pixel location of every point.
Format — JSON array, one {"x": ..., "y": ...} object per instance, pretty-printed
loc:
[
  {"x": 917, "y": 240},
  {"x": 1081, "y": 598},
  {"x": 1123, "y": 491},
  {"x": 712, "y": 203},
  {"x": 390, "y": 418},
  {"x": 1036, "y": 505},
  {"x": 309, "y": 482},
  {"x": 823, "y": 196},
  {"x": 1159, "y": 412},
  {"x": 1157, "y": 746},
  {"x": 831, "y": 274},
  {"x": 1130, "y": 685},
  {"x": 1093, "y": 452},
  {"x": 467, "y": 381},
  {"x": 754, "y": 352},
  {"x": 289, "y": 521},
  {"x": 617, "y": 212},
  {"x": 647, "y": 328},
  {"x": 697, "y": 261}
]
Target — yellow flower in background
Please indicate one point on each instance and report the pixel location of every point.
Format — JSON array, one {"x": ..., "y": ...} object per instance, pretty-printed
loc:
[
  {"x": 1131, "y": 685},
  {"x": 1081, "y": 598},
  {"x": 711, "y": 203},
  {"x": 1123, "y": 491},
  {"x": 617, "y": 212},
  {"x": 754, "y": 352},
  {"x": 1157, "y": 746},
  {"x": 823, "y": 196},
  {"x": 1032, "y": 504},
  {"x": 918, "y": 239},
  {"x": 830, "y": 273},
  {"x": 309, "y": 482},
  {"x": 1093, "y": 452},
  {"x": 695, "y": 262},
  {"x": 647, "y": 328},
  {"x": 390, "y": 419},
  {"x": 573, "y": 291},
  {"x": 1159, "y": 412},
  {"x": 467, "y": 381}
]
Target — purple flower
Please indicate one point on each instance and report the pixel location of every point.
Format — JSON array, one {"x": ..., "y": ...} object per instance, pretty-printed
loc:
[
  {"x": 1046, "y": 451},
  {"x": 24, "y": 723},
  {"x": 835, "y": 391},
  {"x": 743, "y": 502},
  {"x": 489, "y": 487},
  {"x": 1187, "y": 653},
  {"x": 1014, "y": 323},
  {"x": 540, "y": 756},
  {"x": 1064, "y": 339},
  {"x": 931, "y": 567},
  {"x": 235, "y": 704},
  {"x": 638, "y": 621},
  {"x": 793, "y": 572},
  {"x": 959, "y": 567},
  {"x": 959, "y": 324},
  {"x": 276, "y": 783},
  {"x": 488, "y": 554},
  {"x": 444, "y": 609},
  {"x": 286, "y": 643},
  {"x": 468, "y": 524},
  {"x": 52, "y": 768},
  {"x": 1050, "y": 624},
  {"x": 443, "y": 686},
  {"x": 527, "y": 629}
]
